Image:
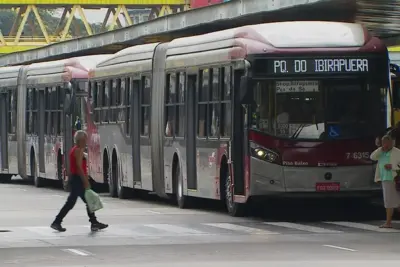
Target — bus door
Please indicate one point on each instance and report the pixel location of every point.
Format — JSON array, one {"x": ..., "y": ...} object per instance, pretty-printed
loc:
[
  {"x": 395, "y": 86},
  {"x": 239, "y": 135},
  {"x": 395, "y": 93},
  {"x": 41, "y": 130},
  {"x": 191, "y": 153},
  {"x": 134, "y": 99},
  {"x": 4, "y": 128}
]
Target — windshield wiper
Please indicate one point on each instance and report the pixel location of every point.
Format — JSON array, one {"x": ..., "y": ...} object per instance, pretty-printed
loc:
[{"x": 298, "y": 131}]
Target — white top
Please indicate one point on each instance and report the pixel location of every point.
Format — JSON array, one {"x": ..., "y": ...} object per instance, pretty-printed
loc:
[{"x": 293, "y": 34}]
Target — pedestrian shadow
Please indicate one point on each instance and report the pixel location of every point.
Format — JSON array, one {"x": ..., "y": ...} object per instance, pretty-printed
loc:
[{"x": 95, "y": 233}]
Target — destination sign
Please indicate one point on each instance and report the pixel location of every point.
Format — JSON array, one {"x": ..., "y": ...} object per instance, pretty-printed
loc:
[
  {"x": 331, "y": 65},
  {"x": 316, "y": 66}
]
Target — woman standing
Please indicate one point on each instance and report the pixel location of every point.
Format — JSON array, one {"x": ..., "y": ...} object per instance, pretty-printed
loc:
[{"x": 388, "y": 158}]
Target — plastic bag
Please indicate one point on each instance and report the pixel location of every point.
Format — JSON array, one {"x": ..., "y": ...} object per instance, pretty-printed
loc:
[{"x": 93, "y": 200}]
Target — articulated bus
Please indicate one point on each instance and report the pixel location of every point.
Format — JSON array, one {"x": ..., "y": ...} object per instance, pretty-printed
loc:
[
  {"x": 35, "y": 123},
  {"x": 278, "y": 109},
  {"x": 287, "y": 109}
]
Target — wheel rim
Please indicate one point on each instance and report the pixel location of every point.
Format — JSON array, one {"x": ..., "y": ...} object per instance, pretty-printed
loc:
[
  {"x": 33, "y": 170},
  {"x": 228, "y": 192},
  {"x": 180, "y": 186},
  {"x": 118, "y": 179},
  {"x": 60, "y": 172}
]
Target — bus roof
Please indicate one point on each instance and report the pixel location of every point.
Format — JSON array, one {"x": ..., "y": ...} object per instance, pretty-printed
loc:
[
  {"x": 129, "y": 60},
  {"x": 227, "y": 45},
  {"x": 290, "y": 34},
  {"x": 9, "y": 76},
  {"x": 64, "y": 70}
]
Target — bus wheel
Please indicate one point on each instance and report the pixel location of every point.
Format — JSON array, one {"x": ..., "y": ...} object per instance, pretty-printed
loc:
[
  {"x": 234, "y": 209},
  {"x": 181, "y": 199},
  {"x": 123, "y": 192},
  {"x": 39, "y": 182},
  {"x": 61, "y": 174},
  {"x": 107, "y": 172},
  {"x": 5, "y": 178}
]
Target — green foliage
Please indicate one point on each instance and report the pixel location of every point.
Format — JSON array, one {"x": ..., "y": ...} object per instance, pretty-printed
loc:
[{"x": 51, "y": 21}]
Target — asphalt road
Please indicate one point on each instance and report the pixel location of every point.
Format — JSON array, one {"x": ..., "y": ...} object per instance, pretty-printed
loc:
[{"x": 154, "y": 233}]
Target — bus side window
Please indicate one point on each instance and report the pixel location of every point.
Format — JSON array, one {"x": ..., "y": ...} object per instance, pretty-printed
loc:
[
  {"x": 202, "y": 103},
  {"x": 95, "y": 101},
  {"x": 34, "y": 118},
  {"x": 28, "y": 119},
  {"x": 127, "y": 104},
  {"x": 181, "y": 99},
  {"x": 226, "y": 101},
  {"x": 47, "y": 116},
  {"x": 109, "y": 98},
  {"x": 104, "y": 101},
  {"x": 170, "y": 107},
  {"x": 396, "y": 93},
  {"x": 59, "y": 105},
  {"x": 214, "y": 105},
  {"x": 145, "y": 96},
  {"x": 13, "y": 108}
]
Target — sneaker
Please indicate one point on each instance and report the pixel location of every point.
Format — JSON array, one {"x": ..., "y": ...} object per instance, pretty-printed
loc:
[
  {"x": 98, "y": 226},
  {"x": 58, "y": 227}
]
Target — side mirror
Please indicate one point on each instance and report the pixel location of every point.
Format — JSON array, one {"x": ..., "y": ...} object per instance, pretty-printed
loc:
[
  {"x": 246, "y": 90},
  {"x": 68, "y": 98}
]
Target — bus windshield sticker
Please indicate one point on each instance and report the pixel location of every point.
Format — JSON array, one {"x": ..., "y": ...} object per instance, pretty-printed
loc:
[
  {"x": 333, "y": 131},
  {"x": 283, "y": 87},
  {"x": 283, "y": 129}
]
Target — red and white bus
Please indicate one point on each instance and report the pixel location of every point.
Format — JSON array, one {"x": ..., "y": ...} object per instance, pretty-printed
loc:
[
  {"x": 36, "y": 127},
  {"x": 289, "y": 108},
  {"x": 277, "y": 109}
]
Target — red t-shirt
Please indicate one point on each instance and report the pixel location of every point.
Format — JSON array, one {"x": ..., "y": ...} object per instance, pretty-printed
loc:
[{"x": 72, "y": 163}]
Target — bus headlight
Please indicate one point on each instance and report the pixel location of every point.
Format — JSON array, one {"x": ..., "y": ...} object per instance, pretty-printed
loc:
[{"x": 263, "y": 153}]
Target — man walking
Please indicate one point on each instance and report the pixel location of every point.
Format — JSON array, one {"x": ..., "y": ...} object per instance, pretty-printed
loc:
[{"x": 79, "y": 182}]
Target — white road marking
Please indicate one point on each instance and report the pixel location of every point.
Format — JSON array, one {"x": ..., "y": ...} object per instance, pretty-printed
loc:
[
  {"x": 364, "y": 226},
  {"x": 303, "y": 227},
  {"x": 154, "y": 212},
  {"x": 174, "y": 229},
  {"x": 240, "y": 228},
  {"x": 77, "y": 252},
  {"x": 341, "y": 248}
]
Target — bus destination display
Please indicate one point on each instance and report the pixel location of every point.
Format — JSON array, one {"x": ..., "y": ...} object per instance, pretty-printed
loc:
[
  {"x": 314, "y": 66},
  {"x": 342, "y": 65}
]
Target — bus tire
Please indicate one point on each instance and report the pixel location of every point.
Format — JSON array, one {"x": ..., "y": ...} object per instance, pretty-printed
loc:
[
  {"x": 38, "y": 182},
  {"x": 107, "y": 172},
  {"x": 234, "y": 209},
  {"x": 122, "y": 191},
  {"x": 182, "y": 200},
  {"x": 5, "y": 178},
  {"x": 61, "y": 173}
]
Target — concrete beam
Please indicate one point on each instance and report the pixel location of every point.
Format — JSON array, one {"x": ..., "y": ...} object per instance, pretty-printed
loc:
[{"x": 197, "y": 21}]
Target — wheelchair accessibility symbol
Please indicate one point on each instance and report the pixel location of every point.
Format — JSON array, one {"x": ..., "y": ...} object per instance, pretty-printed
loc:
[{"x": 333, "y": 131}]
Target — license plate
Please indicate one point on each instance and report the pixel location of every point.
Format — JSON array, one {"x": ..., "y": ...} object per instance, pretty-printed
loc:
[{"x": 327, "y": 187}]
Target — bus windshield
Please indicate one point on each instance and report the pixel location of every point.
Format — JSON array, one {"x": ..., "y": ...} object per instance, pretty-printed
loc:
[{"x": 319, "y": 109}]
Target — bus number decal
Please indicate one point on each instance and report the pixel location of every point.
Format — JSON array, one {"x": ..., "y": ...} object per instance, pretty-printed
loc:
[{"x": 357, "y": 155}]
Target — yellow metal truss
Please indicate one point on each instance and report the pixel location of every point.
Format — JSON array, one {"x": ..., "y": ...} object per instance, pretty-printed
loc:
[{"x": 117, "y": 16}]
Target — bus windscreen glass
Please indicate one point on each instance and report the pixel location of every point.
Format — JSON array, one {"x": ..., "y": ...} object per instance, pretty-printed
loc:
[{"x": 319, "y": 109}]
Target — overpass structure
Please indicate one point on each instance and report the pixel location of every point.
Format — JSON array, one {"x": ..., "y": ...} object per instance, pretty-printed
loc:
[
  {"x": 195, "y": 21},
  {"x": 28, "y": 16}
]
